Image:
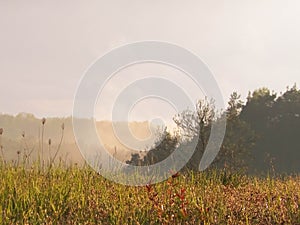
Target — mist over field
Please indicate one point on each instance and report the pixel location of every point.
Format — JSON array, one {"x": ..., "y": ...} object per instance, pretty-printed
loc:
[
  {"x": 23, "y": 133},
  {"x": 262, "y": 135}
]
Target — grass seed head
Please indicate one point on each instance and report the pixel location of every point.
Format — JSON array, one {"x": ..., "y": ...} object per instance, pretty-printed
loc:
[
  {"x": 43, "y": 120},
  {"x": 1, "y": 131}
]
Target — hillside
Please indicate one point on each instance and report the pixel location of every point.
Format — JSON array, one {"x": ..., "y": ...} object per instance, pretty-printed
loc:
[{"x": 23, "y": 133}]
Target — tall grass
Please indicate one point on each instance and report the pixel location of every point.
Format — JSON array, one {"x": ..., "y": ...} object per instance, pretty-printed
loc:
[
  {"x": 78, "y": 195},
  {"x": 73, "y": 194}
]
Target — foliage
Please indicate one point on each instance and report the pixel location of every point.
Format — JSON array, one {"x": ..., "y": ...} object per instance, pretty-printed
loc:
[
  {"x": 195, "y": 127},
  {"x": 236, "y": 151},
  {"x": 276, "y": 121},
  {"x": 262, "y": 134}
]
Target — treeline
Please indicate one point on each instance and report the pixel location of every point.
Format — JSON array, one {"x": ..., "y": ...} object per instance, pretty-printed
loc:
[
  {"x": 24, "y": 133},
  {"x": 262, "y": 134}
]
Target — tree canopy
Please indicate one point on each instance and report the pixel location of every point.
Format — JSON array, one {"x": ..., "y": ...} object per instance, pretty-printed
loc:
[{"x": 261, "y": 134}]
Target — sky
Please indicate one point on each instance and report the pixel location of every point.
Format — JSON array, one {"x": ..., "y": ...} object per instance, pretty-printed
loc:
[{"x": 47, "y": 46}]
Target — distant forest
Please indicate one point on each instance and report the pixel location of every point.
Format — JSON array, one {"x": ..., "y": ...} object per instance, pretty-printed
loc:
[{"x": 262, "y": 134}]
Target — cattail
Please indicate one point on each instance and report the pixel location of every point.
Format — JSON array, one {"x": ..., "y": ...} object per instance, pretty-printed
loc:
[
  {"x": 1, "y": 131},
  {"x": 49, "y": 141},
  {"x": 62, "y": 126},
  {"x": 43, "y": 120},
  {"x": 23, "y": 134}
]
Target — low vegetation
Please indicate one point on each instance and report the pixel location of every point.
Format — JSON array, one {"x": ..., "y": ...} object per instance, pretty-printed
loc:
[{"x": 78, "y": 195}]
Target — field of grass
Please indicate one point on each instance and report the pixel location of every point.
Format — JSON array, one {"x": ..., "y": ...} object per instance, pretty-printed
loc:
[{"x": 78, "y": 195}]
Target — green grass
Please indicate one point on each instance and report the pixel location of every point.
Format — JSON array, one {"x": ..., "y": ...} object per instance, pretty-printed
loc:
[{"x": 78, "y": 195}]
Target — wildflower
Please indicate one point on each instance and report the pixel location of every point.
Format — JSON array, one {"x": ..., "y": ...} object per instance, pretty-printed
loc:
[
  {"x": 149, "y": 188},
  {"x": 175, "y": 175}
]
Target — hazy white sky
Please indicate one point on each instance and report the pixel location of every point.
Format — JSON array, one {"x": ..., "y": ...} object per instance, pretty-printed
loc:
[{"x": 45, "y": 46}]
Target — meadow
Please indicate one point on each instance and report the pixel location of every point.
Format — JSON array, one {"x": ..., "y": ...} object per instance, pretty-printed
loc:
[
  {"x": 54, "y": 191},
  {"x": 76, "y": 194}
]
